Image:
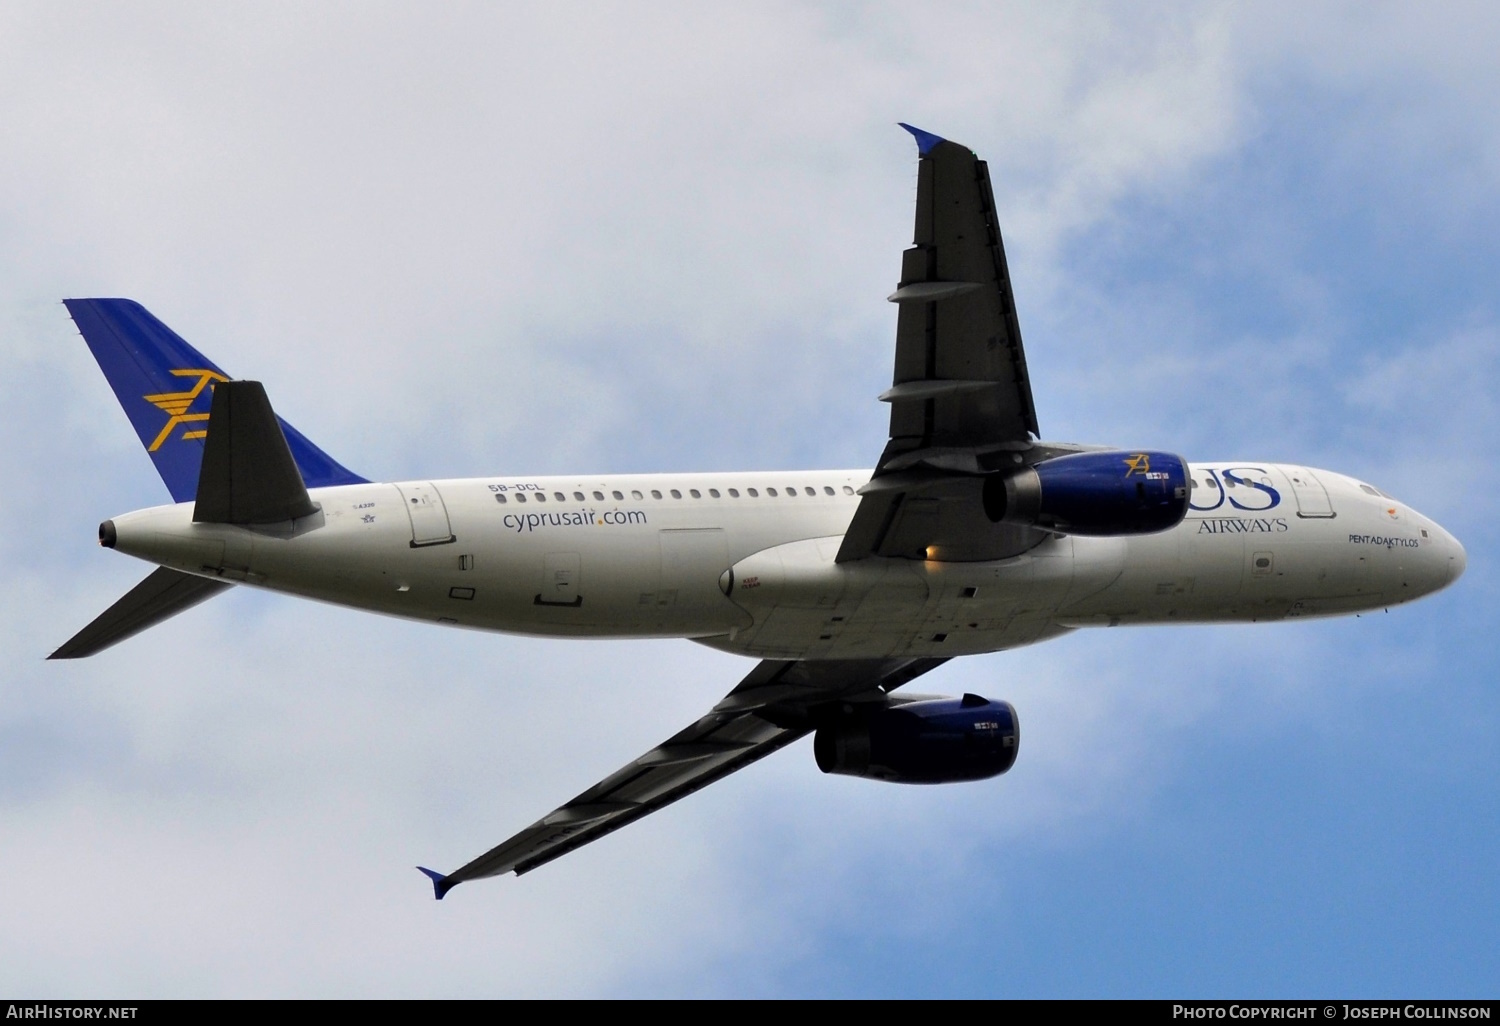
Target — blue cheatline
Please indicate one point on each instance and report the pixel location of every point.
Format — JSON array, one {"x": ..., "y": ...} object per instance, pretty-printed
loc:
[{"x": 166, "y": 389}]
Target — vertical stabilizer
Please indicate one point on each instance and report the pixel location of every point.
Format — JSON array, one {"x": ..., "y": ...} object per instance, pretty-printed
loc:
[{"x": 166, "y": 389}]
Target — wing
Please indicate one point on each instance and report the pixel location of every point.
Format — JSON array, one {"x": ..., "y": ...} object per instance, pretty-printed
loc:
[
  {"x": 775, "y": 705},
  {"x": 961, "y": 398},
  {"x": 960, "y": 380}
]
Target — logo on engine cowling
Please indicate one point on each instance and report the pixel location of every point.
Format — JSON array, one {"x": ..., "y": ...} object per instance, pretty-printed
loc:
[{"x": 1140, "y": 463}]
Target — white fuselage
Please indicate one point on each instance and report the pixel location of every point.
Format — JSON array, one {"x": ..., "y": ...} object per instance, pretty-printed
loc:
[{"x": 745, "y": 562}]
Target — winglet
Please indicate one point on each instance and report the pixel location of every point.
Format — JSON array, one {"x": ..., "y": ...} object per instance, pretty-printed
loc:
[
  {"x": 441, "y": 885},
  {"x": 925, "y": 140}
]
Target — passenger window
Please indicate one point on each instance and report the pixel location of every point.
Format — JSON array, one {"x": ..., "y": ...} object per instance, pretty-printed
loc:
[
  {"x": 754, "y": 494},
  {"x": 848, "y": 490},
  {"x": 655, "y": 494},
  {"x": 827, "y": 490},
  {"x": 695, "y": 493},
  {"x": 791, "y": 493},
  {"x": 617, "y": 494},
  {"x": 560, "y": 497},
  {"x": 599, "y": 496},
  {"x": 676, "y": 494},
  {"x": 520, "y": 496},
  {"x": 635, "y": 493},
  {"x": 500, "y": 498},
  {"x": 714, "y": 492},
  {"x": 578, "y": 496},
  {"x": 541, "y": 496},
  {"x": 810, "y": 491},
  {"x": 771, "y": 492},
  {"x": 734, "y": 493}
]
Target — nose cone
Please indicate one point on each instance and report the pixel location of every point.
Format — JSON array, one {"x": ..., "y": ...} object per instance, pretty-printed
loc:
[
  {"x": 1442, "y": 562},
  {"x": 1458, "y": 559}
]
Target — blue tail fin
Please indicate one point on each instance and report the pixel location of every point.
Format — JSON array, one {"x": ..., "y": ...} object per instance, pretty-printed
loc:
[{"x": 166, "y": 388}]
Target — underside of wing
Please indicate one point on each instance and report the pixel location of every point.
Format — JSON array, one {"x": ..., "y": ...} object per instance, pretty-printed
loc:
[
  {"x": 960, "y": 381},
  {"x": 961, "y": 405},
  {"x": 777, "y": 703}
]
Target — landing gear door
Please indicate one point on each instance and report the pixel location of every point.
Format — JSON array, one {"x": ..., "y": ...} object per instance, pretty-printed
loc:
[{"x": 429, "y": 517}]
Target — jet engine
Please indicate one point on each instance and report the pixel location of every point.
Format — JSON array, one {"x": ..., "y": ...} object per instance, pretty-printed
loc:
[
  {"x": 932, "y": 741},
  {"x": 1093, "y": 493}
]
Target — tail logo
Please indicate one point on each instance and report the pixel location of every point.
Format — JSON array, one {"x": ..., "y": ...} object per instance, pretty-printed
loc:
[{"x": 176, "y": 405}]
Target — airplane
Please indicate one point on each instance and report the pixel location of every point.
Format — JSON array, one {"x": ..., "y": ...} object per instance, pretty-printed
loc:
[{"x": 970, "y": 535}]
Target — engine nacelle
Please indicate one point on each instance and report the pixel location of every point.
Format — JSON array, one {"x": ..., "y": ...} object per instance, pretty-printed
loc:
[
  {"x": 1093, "y": 493},
  {"x": 934, "y": 741}
]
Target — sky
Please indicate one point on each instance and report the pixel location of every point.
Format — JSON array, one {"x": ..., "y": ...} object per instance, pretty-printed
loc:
[{"x": 484, "y": 238}]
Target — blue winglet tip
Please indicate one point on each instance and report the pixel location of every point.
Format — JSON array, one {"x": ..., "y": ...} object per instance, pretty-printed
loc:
[
  {"x": 925, "y": 140},
  {"x": 440, "y": 883}
]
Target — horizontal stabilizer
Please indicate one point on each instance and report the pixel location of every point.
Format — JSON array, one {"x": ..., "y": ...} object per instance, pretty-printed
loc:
[
  {"x": 159, "y": 597},
  {"x": 248, "y": 474}
]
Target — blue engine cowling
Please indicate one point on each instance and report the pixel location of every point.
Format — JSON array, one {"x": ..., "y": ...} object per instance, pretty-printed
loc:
[
  {"x": 1094, "y": 493},
  {"x": 936, "y": 741}
]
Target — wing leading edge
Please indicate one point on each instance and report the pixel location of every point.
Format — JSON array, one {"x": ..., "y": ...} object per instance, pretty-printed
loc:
[{"x": 777, "y": 703}]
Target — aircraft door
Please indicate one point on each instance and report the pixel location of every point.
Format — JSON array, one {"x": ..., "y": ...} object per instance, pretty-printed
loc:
[
  {"x": 1312, "y": 498},
  {"x": 429, "y": 517}
]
